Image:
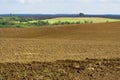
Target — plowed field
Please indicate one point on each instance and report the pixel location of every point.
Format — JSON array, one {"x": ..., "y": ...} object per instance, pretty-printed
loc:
[{"x": 45, "y": 45}]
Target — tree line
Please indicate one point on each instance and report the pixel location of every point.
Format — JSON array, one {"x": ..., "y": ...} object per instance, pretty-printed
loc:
[{"x": 21, "y": 22}]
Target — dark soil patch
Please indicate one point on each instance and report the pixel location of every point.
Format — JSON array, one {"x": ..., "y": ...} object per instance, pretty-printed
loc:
[{"x": 89, "y": 69}]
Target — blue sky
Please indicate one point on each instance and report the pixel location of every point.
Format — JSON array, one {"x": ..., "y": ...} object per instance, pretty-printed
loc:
[{"x": 59, "y": 6}]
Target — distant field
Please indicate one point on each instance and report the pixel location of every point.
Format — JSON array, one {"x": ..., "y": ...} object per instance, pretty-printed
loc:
[
  {"x": 82, "y": 20},
  {"x": 17, "y": 22}
]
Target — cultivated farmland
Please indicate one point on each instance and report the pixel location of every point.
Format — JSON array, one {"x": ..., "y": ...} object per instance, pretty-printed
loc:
[
  {"x": 81, "y": 20},
  {"x": 67, "y": 52}
]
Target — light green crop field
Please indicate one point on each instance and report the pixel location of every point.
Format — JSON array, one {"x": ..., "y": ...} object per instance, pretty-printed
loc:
[{"x": 77, "y": 19}]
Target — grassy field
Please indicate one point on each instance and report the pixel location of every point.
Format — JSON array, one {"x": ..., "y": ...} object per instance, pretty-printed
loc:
[
  {"x": 82, "y": 20},
  {"x": 17, "y": 22}
]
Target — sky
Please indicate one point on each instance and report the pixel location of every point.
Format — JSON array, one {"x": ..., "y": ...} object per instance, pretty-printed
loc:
[{"x": 59, "y": 6}]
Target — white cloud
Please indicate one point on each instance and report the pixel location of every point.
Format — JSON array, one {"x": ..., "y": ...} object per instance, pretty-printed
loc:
[
  {"x": 85, "y": 1},
  {"x": 104, "y": 0},
  {"x": 35, "y": 1},
  {"x": 22, "y": 1},
  {"x": 29, "y": 1}
]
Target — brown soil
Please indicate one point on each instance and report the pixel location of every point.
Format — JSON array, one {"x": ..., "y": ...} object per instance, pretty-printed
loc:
[
  {"x": 98, "y": 31},
  {"x": 89, "y": 69},
  {"x": 45, "y": 45}
]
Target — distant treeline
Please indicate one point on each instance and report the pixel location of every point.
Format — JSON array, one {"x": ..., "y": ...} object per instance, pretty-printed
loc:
[
  {"x": 66, "y": 22},
  {"x": 29, "y": 22},
  {"x": 46, "y": 16}
]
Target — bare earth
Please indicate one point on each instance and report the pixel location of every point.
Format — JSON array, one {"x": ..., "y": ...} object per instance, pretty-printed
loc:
[{"x": 69, "y": 42}]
